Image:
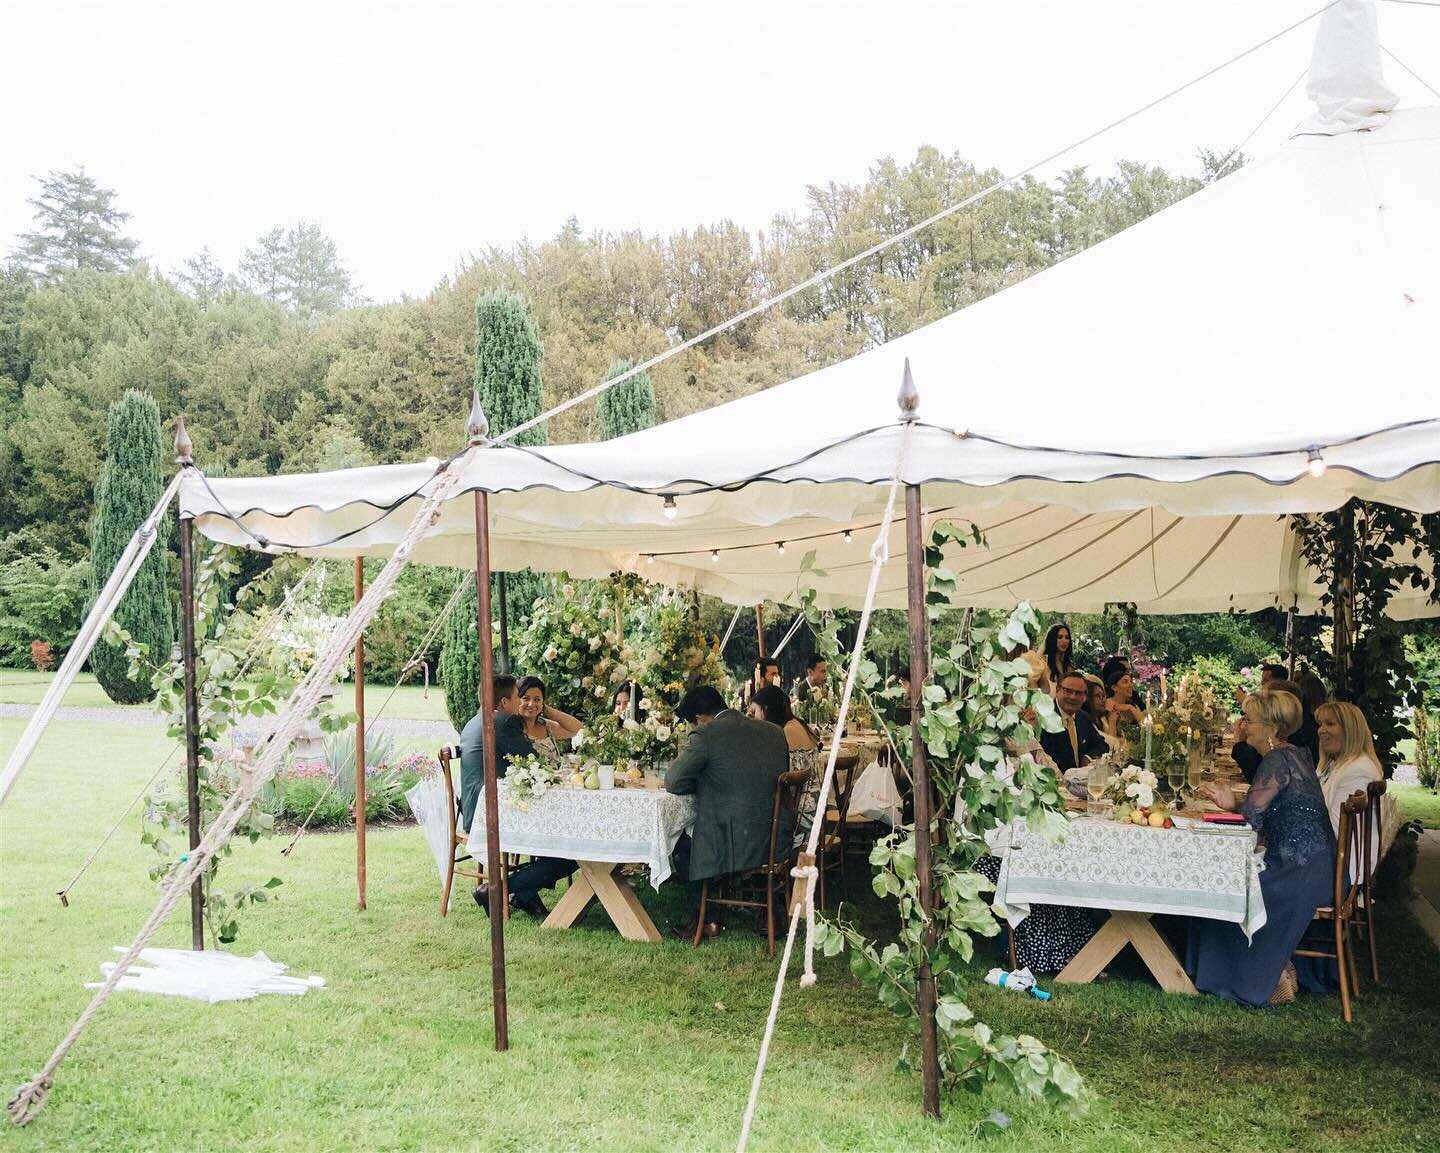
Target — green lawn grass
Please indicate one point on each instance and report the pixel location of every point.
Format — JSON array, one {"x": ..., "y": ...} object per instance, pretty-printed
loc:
[
  {"x": 613, "y": 1045},
  {"x": 1418, "y": 803}
]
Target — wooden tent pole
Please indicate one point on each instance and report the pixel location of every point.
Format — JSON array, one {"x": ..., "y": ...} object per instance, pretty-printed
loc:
[
  {"x": 760, "y": 629},
  {"x": 919, "y": 650},
  {"x": 479, "y": 429},
  {"x": 360, "y": 746},
  {"x": 184, "y": 458},
  {"x": 909, "y": 401}
]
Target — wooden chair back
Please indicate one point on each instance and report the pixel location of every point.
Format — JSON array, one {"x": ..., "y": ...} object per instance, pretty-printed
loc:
[
  {"x": 1349, "y": 848},
  {"x": 788, "y": 787}
]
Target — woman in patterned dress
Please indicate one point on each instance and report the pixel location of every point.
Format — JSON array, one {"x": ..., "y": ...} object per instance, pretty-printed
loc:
[
  {"x": 545, "y": 726},
  {"x": 772, "y": 704}
]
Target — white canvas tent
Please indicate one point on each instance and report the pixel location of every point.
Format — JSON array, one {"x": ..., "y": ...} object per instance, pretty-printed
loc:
[{"x": 1125, "y": 426}]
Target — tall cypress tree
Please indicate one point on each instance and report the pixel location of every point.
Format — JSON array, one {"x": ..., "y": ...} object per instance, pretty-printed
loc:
[
  {"x": 131, "y": 481},
  {"x": 626, "y": 407},
  {"x": 507, "y": 377}
]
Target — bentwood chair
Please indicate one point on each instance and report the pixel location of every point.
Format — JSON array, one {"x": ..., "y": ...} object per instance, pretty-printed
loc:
[
  {"x": 1371, "y": 839},
  {"x": 831, "y": 854},
  {"x": 757, "y": 888},
  {"x": 459, "y": 839},
  {"x": 1341, "y": 911}
]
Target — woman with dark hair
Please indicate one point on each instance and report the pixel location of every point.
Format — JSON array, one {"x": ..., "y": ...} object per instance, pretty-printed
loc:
[
  {"x": 1118, "y": 708},
  {"x": 772, "y": 704},
  {"x": 545, "y": 726},
  {"x": 1059, "y": 659},
  {"x": 625, "y": 700}
]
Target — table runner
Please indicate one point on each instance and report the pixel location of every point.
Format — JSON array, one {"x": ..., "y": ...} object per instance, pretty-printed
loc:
[
  {"x": 1105, "y": 864},
  {"x": 622, "y": 825}
]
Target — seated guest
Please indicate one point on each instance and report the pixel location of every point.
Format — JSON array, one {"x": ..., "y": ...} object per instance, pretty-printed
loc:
[
  {"x": 510, "y": 740},
  {"x": 729, "y": 764},
  {"x": 1113, "y": 663},
  {"x": 812, "y": 684},
  {"x": 1286, "y": 805},
  {"x": 1313, "y": 692},
  {"x": 544, "y": 726},
  {"x": 1095, "y": 701},
  {"x": 1269, "y": 674},
  {"x": 1059, "y": 659},
  {"x": 621, "y": 700},
  {"x": 1348, "y": 762},
  {"x": 1119, "y": 709},
  {"x": 766, "y": 672},
  {"x": 1245, "y": 752},
  {"x": 1079, "y": 741},
  {"x": 771, "y": 704}
]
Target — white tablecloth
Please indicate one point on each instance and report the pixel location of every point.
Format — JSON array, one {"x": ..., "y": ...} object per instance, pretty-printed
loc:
[
  {"x": 1105, "y": 864},
  {"x": 624, "y": 825}
]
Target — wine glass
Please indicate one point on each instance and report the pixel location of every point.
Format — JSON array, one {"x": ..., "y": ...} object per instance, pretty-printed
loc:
[
  {"x": 1194, "y": 775},
  {"x": 1175, "y": 778},
  {"x": 1095, "y": 784}
]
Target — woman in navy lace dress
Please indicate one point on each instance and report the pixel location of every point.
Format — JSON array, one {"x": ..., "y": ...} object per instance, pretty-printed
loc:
[{"x": 1286, "y": 805}]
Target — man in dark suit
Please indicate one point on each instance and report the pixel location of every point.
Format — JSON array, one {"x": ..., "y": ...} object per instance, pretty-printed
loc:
[
  {"x": 1079, "y": 740},
  {"x": 812, "y": 684},
  {"x": 1307, "y": 736},
  {"x": 525, "y": 882},
  {"x": 729, "y": 764}
]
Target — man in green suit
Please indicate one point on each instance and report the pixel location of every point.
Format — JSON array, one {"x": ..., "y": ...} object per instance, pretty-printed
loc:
[{"x": 729, "y": 764}]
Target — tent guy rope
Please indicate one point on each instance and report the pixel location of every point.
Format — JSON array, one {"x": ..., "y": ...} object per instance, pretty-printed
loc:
[
  {"x": 806, "y": 871},
  {"x": 119, "y": 581},
  {"x": 30, "y": 1097},
  {"x": 880, "y": 246}
]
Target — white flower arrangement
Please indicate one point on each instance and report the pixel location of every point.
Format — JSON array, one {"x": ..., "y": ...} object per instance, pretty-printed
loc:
[
  {"x": 1133, "y": 785},
  {"x": 527, "y": 778}
]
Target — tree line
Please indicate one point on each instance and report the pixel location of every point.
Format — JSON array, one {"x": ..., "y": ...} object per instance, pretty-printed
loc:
[{"x": 281, "y": 365}]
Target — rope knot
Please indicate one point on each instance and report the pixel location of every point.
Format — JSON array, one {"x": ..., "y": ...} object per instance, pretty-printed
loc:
[{"x": 29, "y": 1099}]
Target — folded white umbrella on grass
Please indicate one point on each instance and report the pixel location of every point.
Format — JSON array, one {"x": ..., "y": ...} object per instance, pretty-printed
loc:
[{"x": 208, "y": 976}]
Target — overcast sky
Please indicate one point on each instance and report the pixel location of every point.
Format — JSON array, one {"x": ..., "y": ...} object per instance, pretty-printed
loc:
[{"x": 416, "y": 132}]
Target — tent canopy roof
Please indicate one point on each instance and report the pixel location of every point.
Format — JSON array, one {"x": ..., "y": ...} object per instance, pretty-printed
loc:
[{"x": 1126, "y": 425}]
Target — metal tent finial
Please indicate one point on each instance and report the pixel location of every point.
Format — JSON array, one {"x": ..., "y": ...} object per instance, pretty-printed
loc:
[
  {"x": 909, "y": 398},
  {"x": 184, "y": 447},
  {"x": 479, "y": 424}
]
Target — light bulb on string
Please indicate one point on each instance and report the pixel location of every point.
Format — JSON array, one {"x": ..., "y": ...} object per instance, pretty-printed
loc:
[
  {"x": 780, "y": 548},
  {"x": 668, "y": 507},
  {"x": 650, "y": 558},
  {"x": 715, "y": 555},
  {"x": 846, "y": 536},
  {"x": 1316, "y": 466}
]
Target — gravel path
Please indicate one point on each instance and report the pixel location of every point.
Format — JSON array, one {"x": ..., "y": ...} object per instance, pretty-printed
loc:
[{"x": 141, "y": 715}]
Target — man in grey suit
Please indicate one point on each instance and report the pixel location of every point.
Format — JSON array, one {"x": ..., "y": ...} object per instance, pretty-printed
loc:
[{"x": 729, "y": 764}]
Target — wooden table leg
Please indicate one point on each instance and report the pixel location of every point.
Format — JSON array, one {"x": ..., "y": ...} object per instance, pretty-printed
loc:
[
  {"x": 597, "y": 880},
  {"x": 1121, "y": 929}
]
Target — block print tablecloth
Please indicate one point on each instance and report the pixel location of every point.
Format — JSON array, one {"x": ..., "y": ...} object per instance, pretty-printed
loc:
[
  {"x": 618, "y": 825},
  {"x": 1105, "y": 864}
]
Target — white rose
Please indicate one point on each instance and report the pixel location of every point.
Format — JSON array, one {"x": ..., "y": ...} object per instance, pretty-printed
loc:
[
  {"x": 600, "y": 691},
  {"x": 611, "y": 638},
  {"x": 631, "y": 725},
  {"x": 568, "y": 591},
  {"x": 577, "y": 742},
  {"x": 627, "y": 653},
  {"x": 1146, "y": 798},
  {"x": 645, "y": 704},
  {"x": 1132, "y": 789},
  {"x": 594, "y": 644},
  {"x": 662, "y": 732},
  {"x": 551, "y": 653},
  {"x": 575, "y": 629}
]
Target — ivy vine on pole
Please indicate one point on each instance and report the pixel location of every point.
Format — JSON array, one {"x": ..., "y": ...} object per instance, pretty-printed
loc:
[{"x": 977, "y": 709}]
